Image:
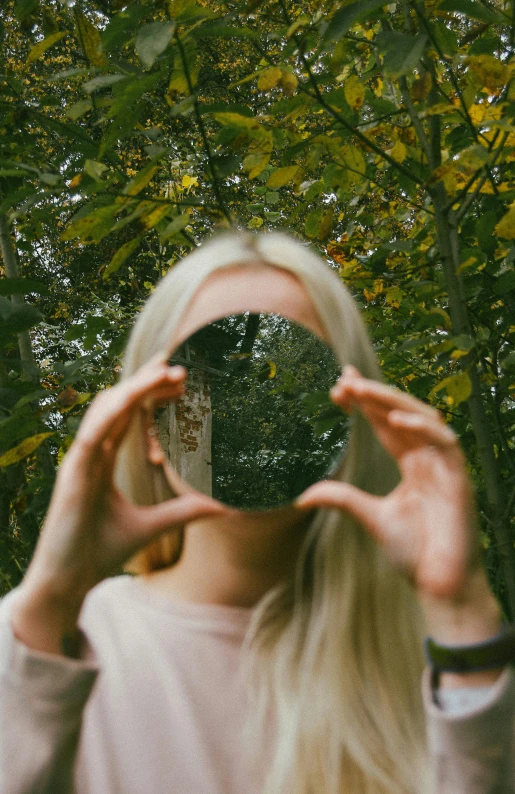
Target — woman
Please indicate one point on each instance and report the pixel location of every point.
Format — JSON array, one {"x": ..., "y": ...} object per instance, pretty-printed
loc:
[{"x": 270, "y": 653}]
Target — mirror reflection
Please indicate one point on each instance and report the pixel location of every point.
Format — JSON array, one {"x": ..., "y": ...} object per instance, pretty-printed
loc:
[{"x": 256, "y": 426}]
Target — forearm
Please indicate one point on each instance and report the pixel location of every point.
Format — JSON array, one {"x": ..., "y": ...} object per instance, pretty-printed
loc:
[
  {"x": 45, "y": 621},
  {"x": 471, "y": 617}
]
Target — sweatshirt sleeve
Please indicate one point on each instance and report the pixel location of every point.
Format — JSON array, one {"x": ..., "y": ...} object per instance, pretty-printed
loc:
[
  {"x": 42, "y": 697},
  {"x": 473, "y": 750}
]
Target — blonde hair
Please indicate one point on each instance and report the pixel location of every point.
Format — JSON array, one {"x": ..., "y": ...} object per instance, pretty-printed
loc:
[{"x": 333, "y": 657}]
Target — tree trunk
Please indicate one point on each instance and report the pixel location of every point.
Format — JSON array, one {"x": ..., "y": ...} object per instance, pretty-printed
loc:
[
  {"x": 449, "y": 245},
  {"x": 12, "y": 271}
]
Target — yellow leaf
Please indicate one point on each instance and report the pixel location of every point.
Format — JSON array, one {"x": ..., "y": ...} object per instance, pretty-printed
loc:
[
  {"x": 255, "y": 223},
  {"x": 236, "y": 120},
  {"x": 394, "y": 296},
  {"x": 42, "y": 46},
  {"x": 398, "y": 151},
  {"x": 440, "y": 108},
  {"x": 456, "y": 354},
  {"x": 90, "y": 41},
  {"x": 458, "y": 387},
  {"x": 506, "y": 226},
  {"x": 444, "y": 314},
  {"x": 20, "y": 451},
  {"x": 120, "y": 256},
  {"x": 354, "y": 160},
  {"x": 420, "y": 88},
  {"x": 354, "y": 91},
  {"x": 140, "y": 181},
  {"x": 269, "y": 78},
  {"x": 369, "y": 296},
  {"x": 153, "y": 218},
  {"x": 77, "y": 179},
  {"x": 281, "y": 176},
  {"x": 255, "y": 163},
  {"x": 189, "y": 181},
  {"x": 64, "y": 449},
  {"x": 477, "y": 113},
  {"x": 376, "y": 85},
  {"x": 288, "y": 82},
  {"x": 489, "y": 71}
]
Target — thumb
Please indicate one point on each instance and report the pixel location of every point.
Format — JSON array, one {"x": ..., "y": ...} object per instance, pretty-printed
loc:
[
  {"x": 362, "y": 506},
  {"x": 178, "y": 511}
]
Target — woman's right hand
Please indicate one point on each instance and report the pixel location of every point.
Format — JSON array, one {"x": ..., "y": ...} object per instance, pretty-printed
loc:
[{"x": 91, "y": 529}]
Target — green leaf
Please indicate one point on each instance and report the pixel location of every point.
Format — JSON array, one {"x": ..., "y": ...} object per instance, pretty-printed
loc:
[
  {"x": 175, "y": 226},
  {"x": 505, "y": 283},
  {"x": 42, "y": 46},
  {"x": 474, "y": 10},
  {"x": 152, "y": 40},
  {"x": 22, "y": 286},
  {"x": 66, "y": 74},
  {"x": 342, "y": 21},
  {"x": 23, "y": 8},
  {"x": 102, "y": 81},
  {"x": 319, "y": 223},
  {"x": 353, "y": 159},
  {"x": 94, "y": 169},
  {"x": 122, "y": 27},
  {"x": 401, "y": 52},
  {"x": 78, "y": 109},
  {"x": 92, "y": 227},
  {"x": 17, "y": 317},
  {"x": 22, "y": 450},
  {"x": 508, "y": 362},
  {"x": 120, "y": 256},
  {"x": 89, "y": 39},
  {"x": 221, "y": 31}
]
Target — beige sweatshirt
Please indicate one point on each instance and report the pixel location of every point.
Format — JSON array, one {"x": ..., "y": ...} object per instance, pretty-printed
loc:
[{"x": 157, "y": 706}]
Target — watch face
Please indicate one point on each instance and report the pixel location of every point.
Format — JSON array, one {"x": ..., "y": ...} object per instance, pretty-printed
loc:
[{"x": 256, "y": 426}]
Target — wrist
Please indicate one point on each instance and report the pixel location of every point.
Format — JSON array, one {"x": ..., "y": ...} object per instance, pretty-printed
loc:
[
  {"x": 45, "y": 621},
  {"x": 471, "y": 617}
]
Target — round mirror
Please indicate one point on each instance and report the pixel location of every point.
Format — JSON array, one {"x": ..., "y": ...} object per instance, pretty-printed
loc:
[{"x": 256, "y": 425}]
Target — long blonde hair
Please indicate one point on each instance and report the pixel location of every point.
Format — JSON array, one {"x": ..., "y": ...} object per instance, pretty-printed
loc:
[{"x": 333, "y": 656}]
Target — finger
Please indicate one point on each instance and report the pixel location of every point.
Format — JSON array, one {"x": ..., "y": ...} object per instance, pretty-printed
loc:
[
  {"x": 110, "y": 413},
  {"x": 176, "y": 512},
  {"x": 422, "y": 429},
  {"x": 331, "y": 494},
  {"x": 163, "y": 394},
  {"x": 354, "y": 388}
]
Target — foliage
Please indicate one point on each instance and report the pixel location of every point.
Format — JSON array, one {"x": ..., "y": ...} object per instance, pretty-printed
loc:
[
  {"x": 275, "y": 430},
  {"x": 382, "y": 134}
]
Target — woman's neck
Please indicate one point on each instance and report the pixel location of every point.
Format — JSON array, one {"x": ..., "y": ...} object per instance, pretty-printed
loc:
[{"x": 235, "y": 559}]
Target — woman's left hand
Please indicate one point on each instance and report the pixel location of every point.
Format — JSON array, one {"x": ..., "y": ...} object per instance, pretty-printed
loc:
[{"x": 427, "y": 524}]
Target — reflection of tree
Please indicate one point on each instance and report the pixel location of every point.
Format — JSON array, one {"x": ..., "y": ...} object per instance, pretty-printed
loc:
[{"x": 275, "y": 430}]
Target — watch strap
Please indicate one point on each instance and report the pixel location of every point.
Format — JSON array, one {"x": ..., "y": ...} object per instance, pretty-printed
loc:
[{"x": 495, "y": 652}]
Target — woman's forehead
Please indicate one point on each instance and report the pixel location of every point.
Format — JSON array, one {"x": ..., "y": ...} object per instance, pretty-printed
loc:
[{"x": 250, "y": 288}]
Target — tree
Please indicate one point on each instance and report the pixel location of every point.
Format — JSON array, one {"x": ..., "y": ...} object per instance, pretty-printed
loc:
[{"x": 383, "y": 134}]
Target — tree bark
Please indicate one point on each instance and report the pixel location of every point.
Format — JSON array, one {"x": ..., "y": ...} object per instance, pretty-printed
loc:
[
  {"x": 12, "y": 271},
  {"x": 449, "y": 245}
]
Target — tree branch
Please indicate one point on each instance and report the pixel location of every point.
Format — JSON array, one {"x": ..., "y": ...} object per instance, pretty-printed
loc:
[{"x": 202, "y": 129}]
